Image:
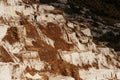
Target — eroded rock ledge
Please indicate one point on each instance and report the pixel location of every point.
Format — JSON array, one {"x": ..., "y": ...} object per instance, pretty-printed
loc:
[{"x": 37, "y": 42}]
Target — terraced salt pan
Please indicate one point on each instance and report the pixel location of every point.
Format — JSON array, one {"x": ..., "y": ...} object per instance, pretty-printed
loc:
[
  {"x": 101, "y": 74},
  {"x": 78, "y": 58},
  {"x": 82, "y": 54}
]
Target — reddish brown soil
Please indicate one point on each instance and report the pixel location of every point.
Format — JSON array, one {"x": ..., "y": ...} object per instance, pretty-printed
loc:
[
  {"x": 54, "y": 32},
  {"x": 49, "y": 54},
  {"x": 30, "y": 30},
  {"x": 12, "y": 35},
  {"x": 4, "y": 56}
]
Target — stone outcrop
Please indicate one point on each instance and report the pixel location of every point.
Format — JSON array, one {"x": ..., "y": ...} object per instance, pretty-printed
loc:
[{"x": 37, "y": 42}]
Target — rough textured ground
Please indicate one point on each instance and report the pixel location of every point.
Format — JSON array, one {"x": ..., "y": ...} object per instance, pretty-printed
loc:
[{"x": 37, "y": 42}]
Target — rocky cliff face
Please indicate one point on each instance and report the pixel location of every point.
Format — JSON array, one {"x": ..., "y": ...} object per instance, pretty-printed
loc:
[{"x": 37, "y": 42}]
